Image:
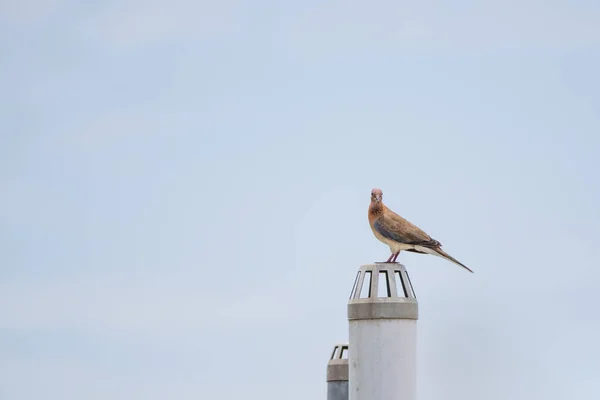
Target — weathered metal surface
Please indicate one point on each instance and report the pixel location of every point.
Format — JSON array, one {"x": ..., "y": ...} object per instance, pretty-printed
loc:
[{"x": 337, "y": 390}]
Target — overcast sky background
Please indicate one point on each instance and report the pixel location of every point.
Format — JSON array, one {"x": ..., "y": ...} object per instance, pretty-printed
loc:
[{"x": 184, "y": 188}]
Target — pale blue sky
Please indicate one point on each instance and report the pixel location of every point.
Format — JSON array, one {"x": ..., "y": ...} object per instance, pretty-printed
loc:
[{"x": 184, "y": 188}]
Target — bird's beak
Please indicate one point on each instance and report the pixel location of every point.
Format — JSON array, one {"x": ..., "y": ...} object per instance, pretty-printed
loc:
[{"x": 378, "y": 199}]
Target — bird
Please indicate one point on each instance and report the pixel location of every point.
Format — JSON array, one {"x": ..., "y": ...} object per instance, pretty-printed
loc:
[{"x": 400, "y": 234}]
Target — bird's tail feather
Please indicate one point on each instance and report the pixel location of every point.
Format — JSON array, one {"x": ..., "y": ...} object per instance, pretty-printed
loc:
[{"x": 441, "y": 253}]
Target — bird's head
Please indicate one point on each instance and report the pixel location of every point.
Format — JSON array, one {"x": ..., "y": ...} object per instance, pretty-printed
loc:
[{"x": 376, "y": 195}]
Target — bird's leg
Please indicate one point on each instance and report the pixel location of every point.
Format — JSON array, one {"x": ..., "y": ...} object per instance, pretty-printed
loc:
[
  {"x": 395, "y": 257},
  {"x": 390, "y": 259}
]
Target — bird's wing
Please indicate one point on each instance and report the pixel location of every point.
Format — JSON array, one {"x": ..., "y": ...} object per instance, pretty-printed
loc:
[{"x": 394, "y": 227}]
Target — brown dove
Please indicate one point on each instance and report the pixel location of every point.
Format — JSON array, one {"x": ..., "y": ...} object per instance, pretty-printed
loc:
[{"x": 399, "y": 234}]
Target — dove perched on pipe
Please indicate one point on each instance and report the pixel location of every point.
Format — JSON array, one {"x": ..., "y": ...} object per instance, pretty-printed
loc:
[{"x": 399, "y": 234}]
